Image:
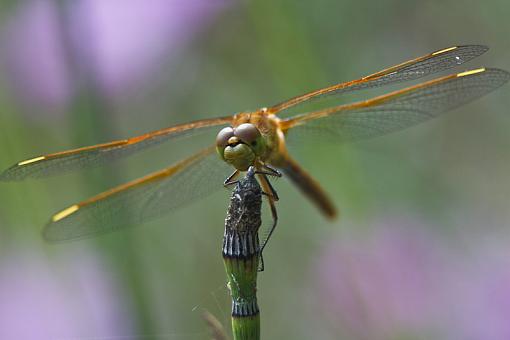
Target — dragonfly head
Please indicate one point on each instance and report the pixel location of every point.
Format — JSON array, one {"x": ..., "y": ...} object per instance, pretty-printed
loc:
[{"x": 240, "y": 146}]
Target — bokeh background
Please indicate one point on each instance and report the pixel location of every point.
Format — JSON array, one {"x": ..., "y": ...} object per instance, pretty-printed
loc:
[{"x": 422, "y": 247}]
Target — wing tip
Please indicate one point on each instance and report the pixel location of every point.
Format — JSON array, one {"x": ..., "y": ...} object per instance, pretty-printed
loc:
[
  {"x": 503, "y": 76},
  {"x": 9, "y": 174},
  {"x": 479, "y": 47},
  {"x": 463, "y": 53},
  {"x": 16, "y": 172},
  {"x": 48, "y": 237},
  {"x": 4, "y": 176},
  {"x": 473, "y": 50},
  {"x": 46, "y": 233},
  {"x": 51, "y": 232},
  {"x": 498, "y": 70},
  {"x": 54, "y": 234}
]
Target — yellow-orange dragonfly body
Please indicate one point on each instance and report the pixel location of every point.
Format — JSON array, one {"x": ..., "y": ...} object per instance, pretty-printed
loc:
[{"x": 259, "y": 138}]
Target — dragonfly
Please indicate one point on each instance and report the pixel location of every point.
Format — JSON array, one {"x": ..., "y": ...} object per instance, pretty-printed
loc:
[{"x": 259, "y": 138}]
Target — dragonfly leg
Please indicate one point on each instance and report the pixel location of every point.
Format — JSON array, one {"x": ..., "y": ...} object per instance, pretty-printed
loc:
[
  {"x": 272, "y": 171},
  {"x": 266, "y": 239},
  {"x": 272, "y": 197},
  {"x": 229, "y": 181},
  {"x": 269, "y": 191},
  {"x": 261, "y": 263},
  {"x": 268, "y": 170}
]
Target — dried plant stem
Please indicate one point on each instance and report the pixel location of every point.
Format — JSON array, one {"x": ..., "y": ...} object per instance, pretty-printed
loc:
[{"x": 241, "y": 257}]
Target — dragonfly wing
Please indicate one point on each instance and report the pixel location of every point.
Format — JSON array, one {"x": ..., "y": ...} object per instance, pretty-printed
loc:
[
  {"x": 57, "y": 163},
  {"x": 410, "y": 70},
  {"x": 141, "y": 200},
  {"x": 397, "y": 110}
]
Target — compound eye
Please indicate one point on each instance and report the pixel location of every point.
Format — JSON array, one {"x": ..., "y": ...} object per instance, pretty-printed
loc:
[
  {"x": 247, "y": 132},
  {"x": 223, "y": 136}
]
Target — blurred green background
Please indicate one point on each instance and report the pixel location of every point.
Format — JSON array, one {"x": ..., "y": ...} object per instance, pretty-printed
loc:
[{"x": 422, "y": 244}]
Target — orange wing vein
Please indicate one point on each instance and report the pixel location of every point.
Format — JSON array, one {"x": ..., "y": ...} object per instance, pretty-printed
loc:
[
  {"x": 60, "y": 162},
  {"x": 396, "y": 110},
  {"x": 140, "y": 200},
  {"x": 410, "y": 70}
]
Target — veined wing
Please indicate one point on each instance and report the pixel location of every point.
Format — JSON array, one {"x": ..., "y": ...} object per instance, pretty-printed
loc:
[
  {"x": 413, "y": 69},
  {"x": 61, "y": 162},
  {"x": 140, "y": 200},
  {"x": 399, "y": 109}
]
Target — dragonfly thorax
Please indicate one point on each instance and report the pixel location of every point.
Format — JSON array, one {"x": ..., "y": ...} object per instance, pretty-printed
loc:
[{"x": 240, "y": 146}]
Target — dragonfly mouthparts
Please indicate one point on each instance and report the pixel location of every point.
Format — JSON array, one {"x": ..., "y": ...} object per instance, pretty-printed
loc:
[{"x": 233, "y": 141}]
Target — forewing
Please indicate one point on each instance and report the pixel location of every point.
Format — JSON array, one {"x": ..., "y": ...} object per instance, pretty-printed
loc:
[
  {"x": 410, "y": 70},
  {"x": 61, "y": 162},
  {"x": 397, "y": 110},
  {"x": 141, "y": 200}
]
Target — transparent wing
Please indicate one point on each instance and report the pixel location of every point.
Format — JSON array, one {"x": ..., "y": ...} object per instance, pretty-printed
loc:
[
  {"x": 57, "y": 163},
  {"x": 413, "y": 69},
  {"x": 397, "y": 110},
  {"x": 141, "y": 200}
]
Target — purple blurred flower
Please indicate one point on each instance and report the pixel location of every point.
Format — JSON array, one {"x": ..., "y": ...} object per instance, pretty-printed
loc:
[
  {"x": 403, "y": 281},
  {"x": 480, "y": 299},
  {"x": 75, "y": 300},
  {"x": 119, "y": 42},
  {"x": 31, "y": 47}
]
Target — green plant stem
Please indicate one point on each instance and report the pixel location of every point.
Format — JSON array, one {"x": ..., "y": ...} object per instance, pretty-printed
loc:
[{"x": 242, "y": 282}]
